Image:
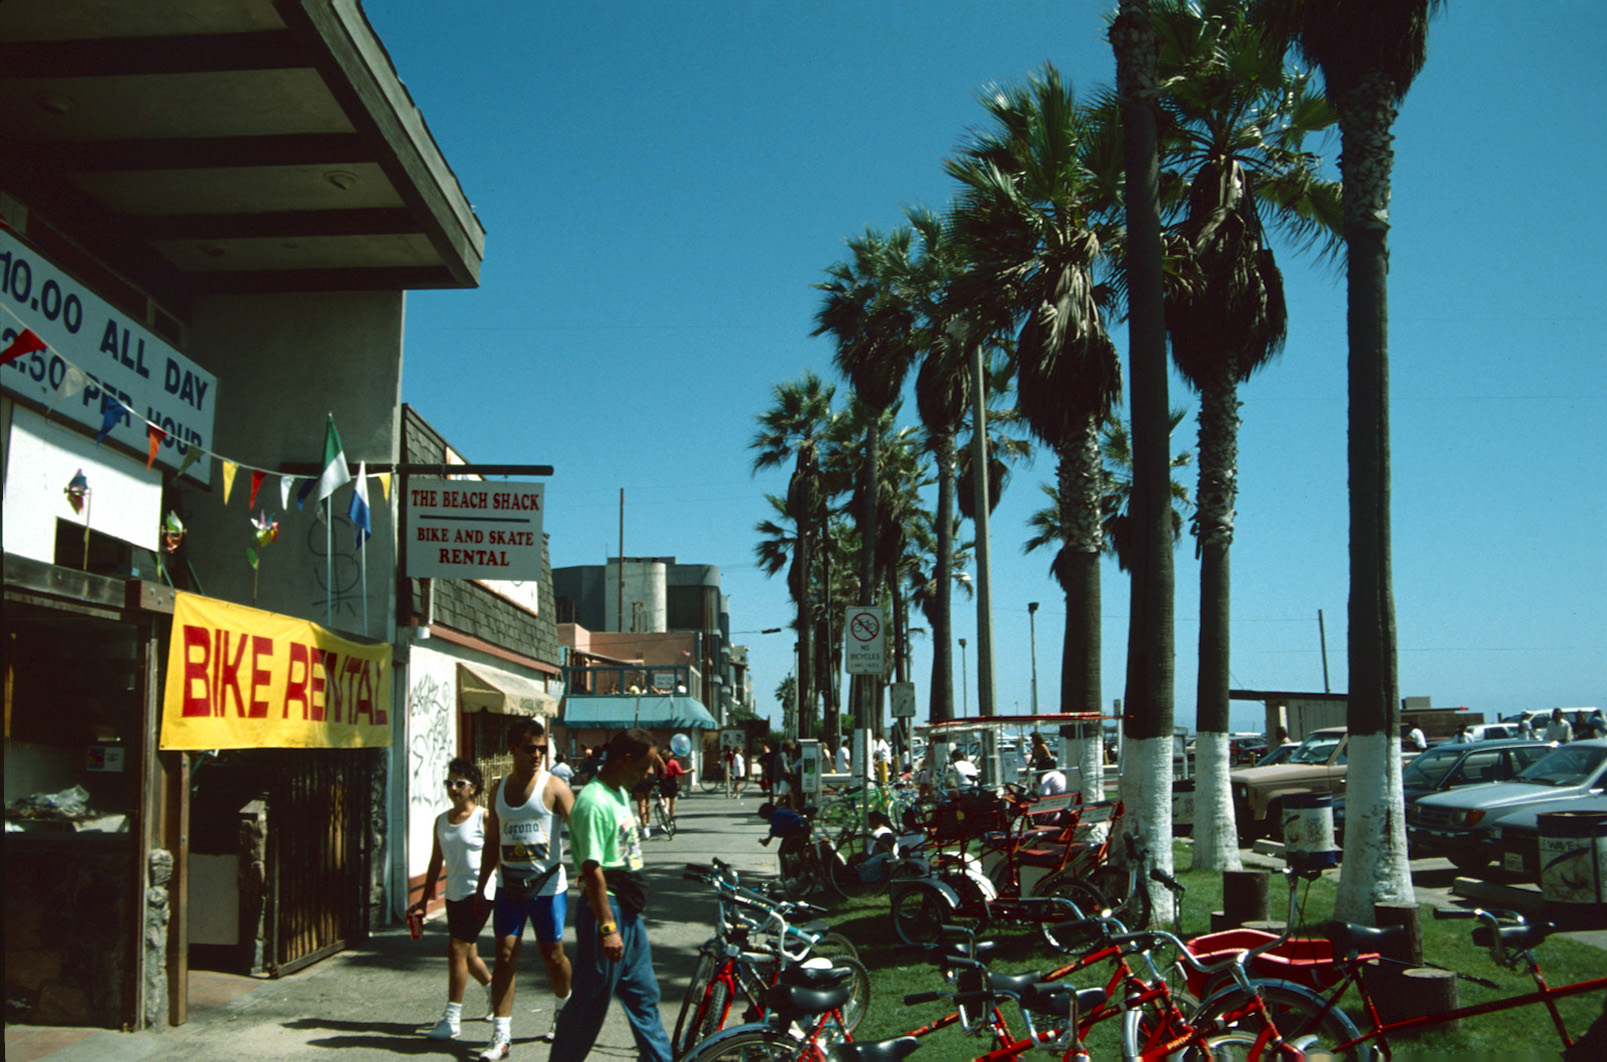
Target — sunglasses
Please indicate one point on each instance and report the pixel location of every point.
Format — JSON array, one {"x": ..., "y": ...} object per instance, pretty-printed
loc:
[
  {"x": 532, "y": 750},
  {"x": 458, "y": 783}
]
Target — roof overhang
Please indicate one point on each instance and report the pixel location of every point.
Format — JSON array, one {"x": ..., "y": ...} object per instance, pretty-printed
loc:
[
  {"x": 229, "y": 147},
  {"x": 482, "y": 688}
]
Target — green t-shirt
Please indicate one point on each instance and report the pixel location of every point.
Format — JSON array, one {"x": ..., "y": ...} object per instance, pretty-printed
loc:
[{"x": 603, "y": 829}]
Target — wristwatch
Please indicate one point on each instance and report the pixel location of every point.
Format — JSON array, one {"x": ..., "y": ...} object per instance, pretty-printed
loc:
[{"x": 607, "y": 929}]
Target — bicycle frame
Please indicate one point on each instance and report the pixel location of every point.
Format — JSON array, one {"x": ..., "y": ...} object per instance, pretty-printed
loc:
[{"x": 1544, "y": 993}]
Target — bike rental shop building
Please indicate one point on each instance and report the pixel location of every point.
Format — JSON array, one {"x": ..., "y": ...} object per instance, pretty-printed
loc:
[{"x": 210, "y": 213}]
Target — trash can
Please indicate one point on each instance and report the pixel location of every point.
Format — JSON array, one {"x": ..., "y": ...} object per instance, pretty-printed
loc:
[
  {"x": 1573, "y": 868},
  {"x": 1308, "y": 831}
]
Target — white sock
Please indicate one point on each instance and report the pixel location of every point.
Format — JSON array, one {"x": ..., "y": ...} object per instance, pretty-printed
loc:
[
  {"x": 561, "y": 1000},
  {"x": 503, "y": 1026},
  {"x": 454, "y": 1013}
]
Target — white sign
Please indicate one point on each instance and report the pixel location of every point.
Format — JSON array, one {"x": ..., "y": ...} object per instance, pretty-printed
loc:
[
  {"x": 902, "y": 696},
  {"x": 474, "y": 529},
  {"x": 121, "y": 361},
  {"x": 864, "y": 636}
]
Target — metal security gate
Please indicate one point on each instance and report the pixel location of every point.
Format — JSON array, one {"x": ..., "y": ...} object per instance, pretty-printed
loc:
[{"x": 316, "y": 855}]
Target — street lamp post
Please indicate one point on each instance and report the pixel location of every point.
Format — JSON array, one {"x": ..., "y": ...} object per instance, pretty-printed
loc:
[
  {"x": 1032, "y": 628},
  {"x": 965, "y": 692}
]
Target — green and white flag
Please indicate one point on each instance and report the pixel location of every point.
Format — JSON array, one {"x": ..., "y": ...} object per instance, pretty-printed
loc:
[{"x": 335, "y": 474}]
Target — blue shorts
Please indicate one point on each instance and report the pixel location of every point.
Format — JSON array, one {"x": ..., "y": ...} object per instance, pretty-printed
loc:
[{"x": 546, "y": 914}]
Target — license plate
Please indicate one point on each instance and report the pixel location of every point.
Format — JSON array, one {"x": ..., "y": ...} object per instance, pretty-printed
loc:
[{"x": 1512, "y": 861}]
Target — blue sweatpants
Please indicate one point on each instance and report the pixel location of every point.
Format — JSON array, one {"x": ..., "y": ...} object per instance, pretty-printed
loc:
[{"x": 597, "y": 980}]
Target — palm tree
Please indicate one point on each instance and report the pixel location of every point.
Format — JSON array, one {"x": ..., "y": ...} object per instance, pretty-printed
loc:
[
  {"x": 794, "y": 428},
  {"x": 1029, "y": 218},
  {"x": 872, "y": 326},
  {"x": 1369, "y": 52},
  {"x": 1116, "y": 455},
  {"x": 1147, "y": 725},
  {"x": 1235, "y": 119}
]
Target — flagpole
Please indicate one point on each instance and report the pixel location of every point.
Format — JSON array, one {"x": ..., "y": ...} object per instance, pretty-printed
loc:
[{"x": 329, "y": 561}]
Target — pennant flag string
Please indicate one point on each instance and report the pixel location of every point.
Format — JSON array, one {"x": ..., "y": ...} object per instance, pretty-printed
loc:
[{"x": 74, "y": 380}]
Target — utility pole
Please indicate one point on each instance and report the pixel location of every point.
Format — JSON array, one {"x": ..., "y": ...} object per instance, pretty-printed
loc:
[{"x": 1032, "y": 628}]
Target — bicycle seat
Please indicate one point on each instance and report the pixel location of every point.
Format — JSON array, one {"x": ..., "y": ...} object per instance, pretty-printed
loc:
[
  {"x": 792, "y": 1003},
  {"x": 1348, "y": 936},
  {"x": 885, "y": 1051},
  {"x": 960, "y": 949},
  {"x": 815, "y": 928},
  {"x": 1517, "y": 938},
  {"x": 1055, "y": 999},
  {"x": 814, "y": 977}
]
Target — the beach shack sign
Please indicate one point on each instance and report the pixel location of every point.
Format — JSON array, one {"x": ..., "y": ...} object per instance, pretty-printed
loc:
[
  {"x": 474, "y": 529},
  {"x": 98, "y": 355},
  {"x": 242, "y": 678}
]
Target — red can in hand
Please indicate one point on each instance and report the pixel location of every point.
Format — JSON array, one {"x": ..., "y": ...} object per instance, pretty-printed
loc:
[{"x": 415, "y": 923}]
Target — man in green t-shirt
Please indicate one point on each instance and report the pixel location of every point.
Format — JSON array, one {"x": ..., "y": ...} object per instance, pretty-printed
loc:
[{"x": 615, "y": 957}]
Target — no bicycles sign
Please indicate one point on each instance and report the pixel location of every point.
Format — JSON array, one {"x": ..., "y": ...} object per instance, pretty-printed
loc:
[{"x": 864, "y": 641}]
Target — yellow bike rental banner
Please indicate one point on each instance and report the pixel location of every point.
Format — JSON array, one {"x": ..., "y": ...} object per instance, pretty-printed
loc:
[{"x": 242, "y": 678}]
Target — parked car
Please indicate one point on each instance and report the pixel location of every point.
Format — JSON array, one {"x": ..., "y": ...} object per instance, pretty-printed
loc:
[
  {"x": 1497, "y": 732},
  {"x": 1452, "y": 824},
  {"x": 1277, "y": 755},
  {"x": 1514, "y": 841},
  {"x": 1449, "y": 766},
  {"x": 1540, "y": 718},
  {"x": 1316, "y": 765}
]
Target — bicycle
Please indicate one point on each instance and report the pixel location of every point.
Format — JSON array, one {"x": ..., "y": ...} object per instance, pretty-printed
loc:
[
  {"x": 803, "y": 1020},
  {"x": 663, "y": 821},
  {"x": 1510, "y": 940},
  {"x": 711, "y": 779},
  {"x": 753, "y": 944}
]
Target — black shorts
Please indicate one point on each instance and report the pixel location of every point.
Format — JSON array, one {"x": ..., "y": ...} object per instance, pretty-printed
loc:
[
  {"x": 461, "y": 921},
  {"x": 644, "y": 789},
  {"x": 670, "y": 787}
]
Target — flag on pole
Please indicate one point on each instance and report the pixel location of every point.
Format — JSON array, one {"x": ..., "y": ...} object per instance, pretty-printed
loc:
[
  {"x": 357, "y": 511},
  {"x": 335, "y": 474}
]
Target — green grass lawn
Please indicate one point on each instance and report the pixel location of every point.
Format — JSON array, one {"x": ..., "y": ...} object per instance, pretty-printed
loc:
[{"x": 1524, "y": 1032}]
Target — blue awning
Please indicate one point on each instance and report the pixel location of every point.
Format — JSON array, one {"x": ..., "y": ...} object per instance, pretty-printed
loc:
[{"x": 651, "y": 710}]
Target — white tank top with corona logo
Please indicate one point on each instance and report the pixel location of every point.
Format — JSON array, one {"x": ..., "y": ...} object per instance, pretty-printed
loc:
[{"x": 530, "y": 838}]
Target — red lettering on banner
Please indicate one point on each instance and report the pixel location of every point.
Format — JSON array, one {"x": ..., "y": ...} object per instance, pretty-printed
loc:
[
  {"x": 335, "y": 700},
  {"x": 196, "y": 670},
  {"x": 261, "y": 678},
  {"x": 229, "y": 674},
  {"x": 296, "y": 688},
  {"x": 316, "y": 683}
]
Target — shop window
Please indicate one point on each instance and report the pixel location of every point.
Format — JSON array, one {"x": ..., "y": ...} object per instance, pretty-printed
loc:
[{"x": 100, "y": 554}]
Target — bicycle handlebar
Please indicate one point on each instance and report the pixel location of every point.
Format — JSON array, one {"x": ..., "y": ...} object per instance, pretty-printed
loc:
[{"x": 1172, "y": 884}]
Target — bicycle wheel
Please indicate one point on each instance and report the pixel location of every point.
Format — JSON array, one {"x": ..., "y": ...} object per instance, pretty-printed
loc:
[
  {"x": 754, "y": 1044},
  {"x": 696, "y": 989},
  {"x": 711, "y": 780},
  {"x": 917, "y": 916},
  {"x": 833, "y": 945},
  {"x": 858, "y": 1004},
  {"x": 1145, "y": 1028},
  {"x": 1297, "y": 1015},
  {"x": 1133, "y": 909},
  {"x": 1070, "y": 937},
  {"x": 717, "y": 1007}
]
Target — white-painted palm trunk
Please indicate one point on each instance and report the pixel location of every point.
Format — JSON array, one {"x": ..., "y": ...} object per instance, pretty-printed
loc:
[
  {"x": 1147, "y": 804},
  {"x": 1375, "y": 868},
  {"x": 1091, "y": 762},
  {"x": 1216, "y": 838}
]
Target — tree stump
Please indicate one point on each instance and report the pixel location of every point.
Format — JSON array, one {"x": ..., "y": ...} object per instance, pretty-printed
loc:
[
  {"x": 1244, "y": 896},
  {"x": 1410, "y": 951},
  {"x": 1403, "y": 993}
]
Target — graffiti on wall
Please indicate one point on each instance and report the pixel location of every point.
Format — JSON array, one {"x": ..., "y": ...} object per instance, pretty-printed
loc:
[
  {"x": 430, "y": 710},
  {"x": 340, "y": 577}
]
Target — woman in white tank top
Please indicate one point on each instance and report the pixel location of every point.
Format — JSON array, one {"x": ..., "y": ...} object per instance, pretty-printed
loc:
[{"x": 459, "y": 842}]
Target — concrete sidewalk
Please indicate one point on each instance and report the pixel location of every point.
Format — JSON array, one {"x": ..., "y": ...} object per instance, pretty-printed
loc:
[{"x": 374, "y": 1002}]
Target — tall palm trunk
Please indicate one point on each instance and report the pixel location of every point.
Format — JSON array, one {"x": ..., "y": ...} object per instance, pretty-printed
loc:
[
  {"x": 867, "y": 687},
  {"x": 1148, "y": 713},
  {"x": 806, "y": 627},
  {"x": 940, "y": 702},
  {"x": 1216, "y": 844},
  {"x": 1375, "y": 864},
  {"x": 1082, "y": 528}
]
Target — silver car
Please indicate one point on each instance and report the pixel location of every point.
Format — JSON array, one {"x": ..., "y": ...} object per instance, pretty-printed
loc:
[{"x": 1452, "y": 824}]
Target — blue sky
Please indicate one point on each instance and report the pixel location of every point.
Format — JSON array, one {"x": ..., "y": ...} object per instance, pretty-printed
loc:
[{"x": 661, "y": 183}]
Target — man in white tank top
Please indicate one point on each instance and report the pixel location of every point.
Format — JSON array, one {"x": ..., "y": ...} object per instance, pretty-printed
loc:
[{"x": 524, "y": 833}]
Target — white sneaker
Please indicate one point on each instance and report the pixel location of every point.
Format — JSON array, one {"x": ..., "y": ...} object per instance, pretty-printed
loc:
[
  {"x": 647, "y": 831},
  {"x": 552, "y": 1033},
  {"x": 497, "y": 1048},
  {"x": 445, "y": 1029},
  {"x": 490, "y": 1005}
]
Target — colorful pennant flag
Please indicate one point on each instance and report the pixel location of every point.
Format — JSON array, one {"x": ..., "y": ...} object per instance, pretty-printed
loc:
[
  {"x": 257, "y": 476},
  {"x": 306, "y": 488},
  {"x": 335, "y": 474},
  {"x": 285, "y": 483},
  {"x": 156, "y": 436},
  {"x": 25, "y": 343},
  {"x": 191, "y": 456},
  {"x": 111, "y": 412},
  {"x": 357, "y": 511},
  {"x": 229, "y": 469},
  {"x": 385, "y": 484}
]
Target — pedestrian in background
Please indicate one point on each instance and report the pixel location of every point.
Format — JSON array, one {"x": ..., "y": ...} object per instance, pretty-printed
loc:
[
  {"x": 672, "y": 779},
  {"x": 739, "y": 770},
  {"x": 1559, "y": 730},
  {"x": 615, "y": 957},
  {"x": 459, "y": 840},
  {"x": 526, "y": 812}
]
